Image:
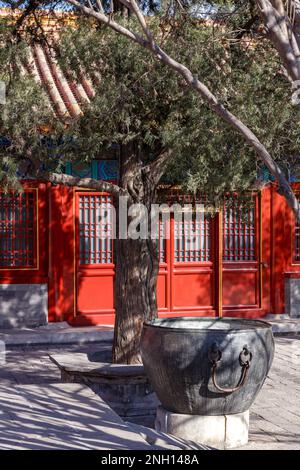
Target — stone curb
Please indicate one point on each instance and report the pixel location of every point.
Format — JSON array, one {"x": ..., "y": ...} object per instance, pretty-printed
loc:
[
  {"x": 284, "y": 325},
  {"x": 62, "y": 333},
  {"x": 59, "y": 336}
]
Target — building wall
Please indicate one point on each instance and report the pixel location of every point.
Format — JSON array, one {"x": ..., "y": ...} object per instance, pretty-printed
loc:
[
  {"x": 24, "y": 288},
  {"x": 23, "y": 305},
  {"x": 276, "y": 226},
  {"x": 49, "y": 290}
]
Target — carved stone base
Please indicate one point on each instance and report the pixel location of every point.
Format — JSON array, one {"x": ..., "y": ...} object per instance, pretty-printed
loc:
[{"x": 220, "y": 432}]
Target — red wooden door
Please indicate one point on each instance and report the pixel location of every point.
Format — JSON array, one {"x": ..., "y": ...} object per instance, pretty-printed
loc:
[
  {"x": 94, "y": 257},
  {"x": 242, "y": 264},
  {"x": 193, "y": 279},
  {"x": 187, "y": 276}
]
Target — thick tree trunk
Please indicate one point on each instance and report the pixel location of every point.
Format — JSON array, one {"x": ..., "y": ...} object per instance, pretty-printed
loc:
[
  {"x": 137, "y": 265},
  {"x": 137, "y": 260},
  {"x": 135, "y": 296}
]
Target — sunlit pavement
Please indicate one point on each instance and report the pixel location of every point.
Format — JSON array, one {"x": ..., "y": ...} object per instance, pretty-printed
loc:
[{"x": 275, "y": 416}]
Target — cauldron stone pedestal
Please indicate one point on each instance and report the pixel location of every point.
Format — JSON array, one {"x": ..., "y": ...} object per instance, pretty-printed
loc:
[
  {"x": 206, "y": 373},
  {"x": 220, "y": 432}
]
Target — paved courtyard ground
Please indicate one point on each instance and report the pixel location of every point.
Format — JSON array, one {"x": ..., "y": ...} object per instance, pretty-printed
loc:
[{"x": 275, "y": 416}]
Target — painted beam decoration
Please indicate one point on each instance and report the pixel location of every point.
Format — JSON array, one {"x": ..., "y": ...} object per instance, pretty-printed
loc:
[
  {"x": 108, "y": 170},
  {"x": 4, "y": 141},
  {"x": 293, "y": 175}
]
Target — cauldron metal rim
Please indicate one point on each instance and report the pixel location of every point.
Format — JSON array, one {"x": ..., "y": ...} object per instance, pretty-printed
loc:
[{"x": 257, "y": 324}]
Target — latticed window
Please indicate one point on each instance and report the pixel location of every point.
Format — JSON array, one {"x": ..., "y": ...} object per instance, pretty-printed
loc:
[
  {"x": 296, "y": 254},
  {"x": 297, "y": 243},
  {"x": 192, "y": 239},
  {"x": 239, "y": 234},
  {"x": 96, "y": 228},
  {"x": 162, "y": 241},
  {"x": 18, "y": 229}
]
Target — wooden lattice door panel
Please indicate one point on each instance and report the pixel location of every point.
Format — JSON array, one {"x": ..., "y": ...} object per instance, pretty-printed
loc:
[
  {"x": 94, "y": 254},
  {"x": 296, "y": 253},
  {"x": 295, "y": 226},
  {"x": 239, "y": 232},
  {"x": 192, "y": 265},
  {"x": 18, "y": 229},
  {"x": 191, "y": 269},
  {"x": 241, "y": 255},
  {"x": 163, "y": 278},
  {"x": 96, "y": 219},
  {"x": 192, "y": 240}
]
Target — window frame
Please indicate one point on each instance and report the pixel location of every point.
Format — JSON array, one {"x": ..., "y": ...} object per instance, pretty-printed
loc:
[
  {"x": 35, "y": 235},
  {"x": 239, "y": 223},
  {"x": 82, "y": 255}
]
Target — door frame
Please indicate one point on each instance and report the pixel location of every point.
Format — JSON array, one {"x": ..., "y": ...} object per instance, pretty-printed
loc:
[
  {"x": 168, "y": 270},
  {"x": 257, "y": 309},
  {"x": 89, "y": 270}
]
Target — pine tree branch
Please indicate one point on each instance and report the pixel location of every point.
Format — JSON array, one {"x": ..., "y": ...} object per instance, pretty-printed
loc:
[
  {"x": 141, "y": 19},
  {"x": 88, "y": 183},
  {"x": 205, "y": 94},
  {"x": 105, "y": 19},
  {"x": 281, "y": 34}
]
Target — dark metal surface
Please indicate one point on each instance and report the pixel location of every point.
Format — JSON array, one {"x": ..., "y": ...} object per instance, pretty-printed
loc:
[
  {"x": 215, "y": 357},
  {"x": 207, "y": 366}
]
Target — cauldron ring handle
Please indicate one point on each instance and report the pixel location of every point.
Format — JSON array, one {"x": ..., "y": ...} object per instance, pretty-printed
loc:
[{"x": 245, "y": 357}]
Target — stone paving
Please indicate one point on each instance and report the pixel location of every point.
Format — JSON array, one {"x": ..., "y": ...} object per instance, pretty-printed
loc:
[
  {"x": 275, "y": 416},
  {"x": 62, "y": 416}
]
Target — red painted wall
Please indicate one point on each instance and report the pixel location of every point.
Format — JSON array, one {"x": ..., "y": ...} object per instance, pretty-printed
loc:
[
  {"x": 182, "y": 288},
  {"x": 39, "y": 273}
]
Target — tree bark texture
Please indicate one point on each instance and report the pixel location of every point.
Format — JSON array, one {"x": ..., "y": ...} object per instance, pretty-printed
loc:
[{"x": 137, "y": 264}]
